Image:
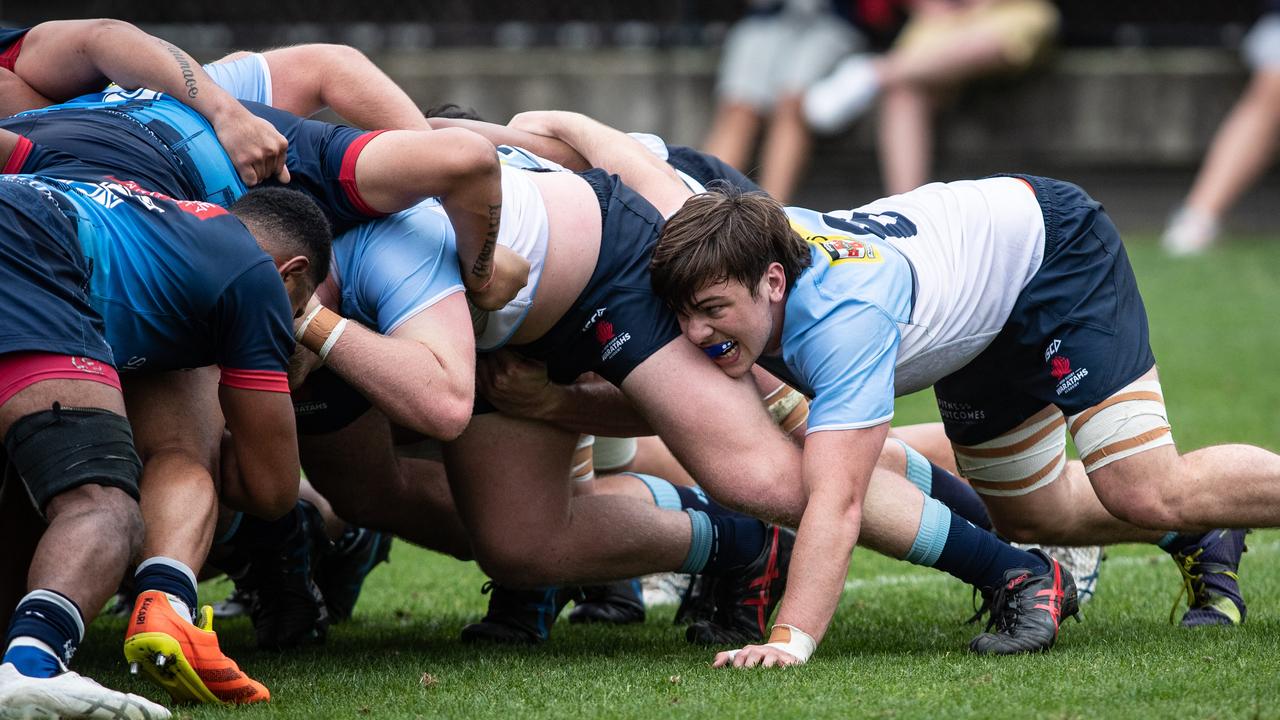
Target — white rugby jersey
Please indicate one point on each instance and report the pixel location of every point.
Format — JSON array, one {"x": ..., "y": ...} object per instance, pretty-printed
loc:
[{"x": 904, "y": 291}]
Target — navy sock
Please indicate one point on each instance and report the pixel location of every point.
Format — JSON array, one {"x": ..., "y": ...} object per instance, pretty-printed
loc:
[
  {"x": 167, "y": 576},
  {"x": 736, "y": 539},
  {"x": 980, "y": 558},
  {"x": 50, "y": 618},
  {"x": 959, "y": 496},
  {"x": 948, "y": 489},
  {"x": 736, "y": 543}
]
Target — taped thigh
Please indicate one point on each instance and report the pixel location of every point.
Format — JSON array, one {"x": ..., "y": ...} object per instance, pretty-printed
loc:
[
  {"x": 1020, "y": 461},
  {"x": 55, "y": 451},
  {"x": 1129, "y": 422}
]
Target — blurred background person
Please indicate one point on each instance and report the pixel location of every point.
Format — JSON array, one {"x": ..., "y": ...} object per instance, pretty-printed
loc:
[
  {"x": 945, "y": 44},
  {"x": 1242, "y": 148},
  {"x": 770, "y": 58}
]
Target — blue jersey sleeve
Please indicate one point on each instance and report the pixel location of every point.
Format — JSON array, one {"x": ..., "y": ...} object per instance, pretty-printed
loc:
[
  {"x": 247, "y": 78},
  {"x": 253, "y": 324},
  {"x": 398, "y": 266},
  {"x": 847, "y": 359}
]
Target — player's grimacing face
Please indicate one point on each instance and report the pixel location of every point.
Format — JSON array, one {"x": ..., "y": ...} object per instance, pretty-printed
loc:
[{"x": 730, "y": 325}]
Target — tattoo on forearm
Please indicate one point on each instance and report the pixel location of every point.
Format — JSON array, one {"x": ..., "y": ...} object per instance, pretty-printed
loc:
[
  {"x": 484, "y": 262},
  {"x": 184, "y": 64}
]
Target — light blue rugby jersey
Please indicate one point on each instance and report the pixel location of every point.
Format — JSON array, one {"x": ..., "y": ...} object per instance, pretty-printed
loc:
[
  {"x": 394, "y": 268},
  {"x": 844, "y": 314}
]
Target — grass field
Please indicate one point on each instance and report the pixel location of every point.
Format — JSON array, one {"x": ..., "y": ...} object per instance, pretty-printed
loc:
[{"x": 897, "y": 648}]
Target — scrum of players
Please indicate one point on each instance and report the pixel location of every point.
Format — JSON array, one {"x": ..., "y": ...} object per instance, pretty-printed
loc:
[{"x": 208, "y": 294}]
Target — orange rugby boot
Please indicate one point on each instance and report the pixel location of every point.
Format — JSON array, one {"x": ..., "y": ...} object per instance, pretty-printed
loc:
[{"x": 182, "y": 658}]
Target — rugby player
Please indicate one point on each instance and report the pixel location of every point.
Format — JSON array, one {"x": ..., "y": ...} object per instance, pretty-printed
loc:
[
  {"x": 59, "y": 60},
  {"x": 675, "y": 388},
  {"x": 211, "y": 295},
  {"x": 485, "y": 499},
  {"x": 141, "y": 136},
  {"x": 801, "y": 284}
]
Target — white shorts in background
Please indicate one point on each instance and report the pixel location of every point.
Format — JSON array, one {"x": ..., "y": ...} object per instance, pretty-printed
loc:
[
  {"x": 771, "y": 55},
  {"x": 1261, "y": 48}
]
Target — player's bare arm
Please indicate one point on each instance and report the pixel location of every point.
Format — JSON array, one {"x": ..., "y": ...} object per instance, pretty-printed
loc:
[
  {"x": 544, "y": 146},
  {"x": 421, "y": 376},
  {"x": 613, "y": 150},
  {"x": 837, "y": 469},
  {"x": 266, "y": 451},
  {"x": 400, "y": 168},
  {"x": 16, "y": 95},
  {"x": 65, "y": 58},
  {"x": 306, "y": 79}
]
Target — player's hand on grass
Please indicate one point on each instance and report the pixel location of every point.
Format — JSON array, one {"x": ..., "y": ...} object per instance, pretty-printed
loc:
[
  {"x": 515, "y": 385},
  {"x": 510, "y": 275},
  {"x": 756, "y": 656},
  {"x": 256, "y": 149}
]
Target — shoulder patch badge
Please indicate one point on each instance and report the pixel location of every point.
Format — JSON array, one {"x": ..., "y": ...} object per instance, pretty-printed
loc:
[{"x": 846, "y": 249}]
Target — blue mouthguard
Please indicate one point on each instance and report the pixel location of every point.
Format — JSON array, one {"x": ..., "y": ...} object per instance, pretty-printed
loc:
[{"x": 718, "y": 349}]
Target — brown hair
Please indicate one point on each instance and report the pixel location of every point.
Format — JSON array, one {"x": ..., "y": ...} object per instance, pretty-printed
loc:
[{"x": 720, "y": 235}]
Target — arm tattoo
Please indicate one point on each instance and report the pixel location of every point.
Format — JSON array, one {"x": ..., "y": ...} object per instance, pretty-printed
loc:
[
  {"x": 481, "y": 268},
  {"x": 184, "y": 64}
]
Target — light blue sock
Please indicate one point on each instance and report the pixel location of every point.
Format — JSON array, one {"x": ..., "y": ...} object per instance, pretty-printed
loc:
[
  {"x": 919, "y": 471},
  {"x": 664, "y": 493},
  {"x": 699, "y": 544},
  {"x": 931, "y": 537}
]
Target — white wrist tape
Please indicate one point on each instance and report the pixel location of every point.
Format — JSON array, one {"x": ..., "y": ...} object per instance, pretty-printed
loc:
[
  {"x": 789, "y": 639},
  {"x": 302, "y": 329},
  {"x": 332, "y": 340},
  {"x": 793, "y": 641}
]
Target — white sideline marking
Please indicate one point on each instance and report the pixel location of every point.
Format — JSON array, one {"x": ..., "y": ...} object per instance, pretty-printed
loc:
[{"x": 880, "y": 581}]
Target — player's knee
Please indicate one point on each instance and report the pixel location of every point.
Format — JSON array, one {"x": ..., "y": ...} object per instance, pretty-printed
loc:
[
  {"x": 272, "y": 502},
  {"x": 514, "y": 564},
  {"x": 112, "y": 511},
  {"x": 1024, "y": 529}
]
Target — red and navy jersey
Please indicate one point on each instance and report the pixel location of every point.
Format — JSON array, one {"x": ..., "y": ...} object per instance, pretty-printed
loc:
[
  {"x": 179, "y": 284},
  {"x": 10, "y": 46},
  {"x": 164, "y": 145}
]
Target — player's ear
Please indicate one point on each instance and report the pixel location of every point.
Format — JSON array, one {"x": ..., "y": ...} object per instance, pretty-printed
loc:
[
  {"x": 776, "y": 281},
  {"x": 294, "y": 268}
]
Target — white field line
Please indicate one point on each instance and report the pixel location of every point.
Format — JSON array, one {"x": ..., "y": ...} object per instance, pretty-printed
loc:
[{"x": 881, "y": 581}]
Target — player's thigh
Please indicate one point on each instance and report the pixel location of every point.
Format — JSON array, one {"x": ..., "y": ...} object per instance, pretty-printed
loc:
[
  {"x": 41, "y": 396},
  {"x": 1127, "y": 447},
  {"x": 176, "y": 412},
  {"x": 510, "y": 478},
  {"x": 718, "y": 429},
  {"x": 355, "y": 466}
]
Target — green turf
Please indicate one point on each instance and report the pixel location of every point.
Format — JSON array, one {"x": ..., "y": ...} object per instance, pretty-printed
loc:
[{"x": 897, "y": 648}]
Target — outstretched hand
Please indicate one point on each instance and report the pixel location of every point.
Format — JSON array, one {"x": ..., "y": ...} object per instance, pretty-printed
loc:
[{"x": 756, "y": 655}]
